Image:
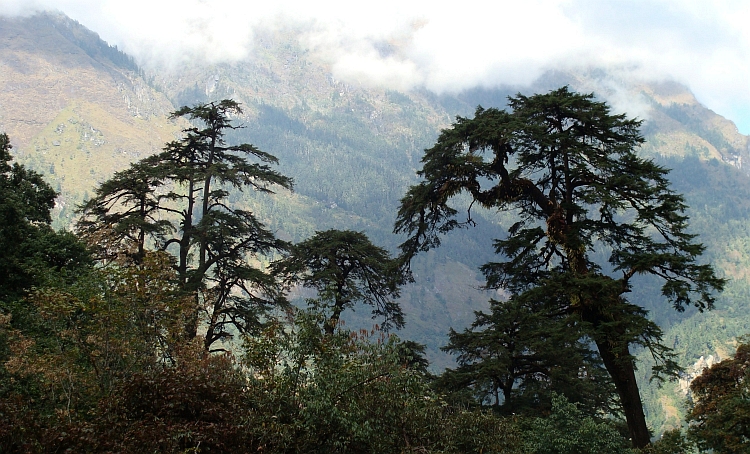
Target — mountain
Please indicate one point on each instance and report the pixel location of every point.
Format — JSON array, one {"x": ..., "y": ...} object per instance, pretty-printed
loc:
[
  {"x": 75, "y": 108},
  {"x": 78, "y": 109}
]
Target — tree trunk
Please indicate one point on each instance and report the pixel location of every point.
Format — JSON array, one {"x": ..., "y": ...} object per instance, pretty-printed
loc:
[
  {"x": 191, "y": 326},
  {"x": 620, "y": 366},
  {"x": 333, "y": 321},
  {"x": 617, "y": 360}
]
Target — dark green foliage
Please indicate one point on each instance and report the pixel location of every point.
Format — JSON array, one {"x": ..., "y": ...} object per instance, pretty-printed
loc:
[
  {"x": 198, "y": 404},
  {"x": 412, "y": 355},
  {"x": 177, "y": 201},
  {"x": 569, "y": 431},
  {"x": 671, "y": 442},
  {"x": 89, "y": 355},
  {"x": 569, "y": 171},
  {"x": 21, "y": 430},
  {"x": 720, "y": 415},
  {"x": 521, "y": 353},
  {"x": 70, "y": 343},
  {"x": 350, "y": 393},
  {"x": 29, "y": 248},
  {"x": 364, "y": 403},
  {"x": 27, "y": 198},
  {"x": 104, "y": 385},
  {"x": 125, "y": 213},
  {"x": 345, "y": 268},
  {"x": 31, "y": 253}
]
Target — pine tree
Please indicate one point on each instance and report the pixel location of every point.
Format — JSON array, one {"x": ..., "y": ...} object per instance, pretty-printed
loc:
[
  {"x": 569, "y": 171},
  {"x": 177, "y": 201},
  {"x": 345, "y": 268}
]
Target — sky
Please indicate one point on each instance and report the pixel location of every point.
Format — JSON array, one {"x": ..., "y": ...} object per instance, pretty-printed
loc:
[{"x": 448, "y": 46}]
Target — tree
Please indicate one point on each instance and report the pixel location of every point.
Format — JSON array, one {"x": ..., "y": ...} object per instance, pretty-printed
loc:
[
  {"x": 177, "y": 201},
  {"x": 199, "y": 404},
  {"x": 78, "y": 340},
  {"x": 124, "y": 214},
  {"x": 567, "y": 430},
  {"x": 671, "y": 442},
  {"x": 515, "y": 357},
  {"x": 568, "y": 171},
  {"x": 345, "y": 268},
  {"x": 353, "y": 392},
  {"x": 720, "y": 415},
  {"x": 29, "y": 248}
]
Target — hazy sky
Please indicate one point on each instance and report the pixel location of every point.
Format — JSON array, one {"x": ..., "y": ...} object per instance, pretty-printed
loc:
[{"x": 450, "y": 45}]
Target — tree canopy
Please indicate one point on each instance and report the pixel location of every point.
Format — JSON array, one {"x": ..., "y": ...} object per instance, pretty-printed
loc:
[
  {"x": 29, "y": 248},
  {"x": 518, "y": 355},
  {"x": 177, "y": 201},
  {"x": 569, "y": 171},
  {"x": 720, "y": 413},
  {"x": 345, "y": 268}
]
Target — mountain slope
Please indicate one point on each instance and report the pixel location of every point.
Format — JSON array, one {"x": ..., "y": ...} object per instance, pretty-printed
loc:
[{"x": 75, "y": 108}]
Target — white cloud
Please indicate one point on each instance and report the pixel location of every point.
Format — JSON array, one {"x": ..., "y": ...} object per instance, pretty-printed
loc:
[{"x": 450, "y": 46}]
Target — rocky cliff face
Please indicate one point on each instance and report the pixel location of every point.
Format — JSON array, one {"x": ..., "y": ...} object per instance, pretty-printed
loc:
[
  {"x": 675, "y": 123},
  {"x": 696, "y": 369}
]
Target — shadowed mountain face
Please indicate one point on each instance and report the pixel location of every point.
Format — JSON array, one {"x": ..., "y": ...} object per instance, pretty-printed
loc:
[{"x": 77, "y": 110}]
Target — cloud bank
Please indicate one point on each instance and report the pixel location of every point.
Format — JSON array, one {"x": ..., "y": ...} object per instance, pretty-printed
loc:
[{"x": 704, "y": 44}]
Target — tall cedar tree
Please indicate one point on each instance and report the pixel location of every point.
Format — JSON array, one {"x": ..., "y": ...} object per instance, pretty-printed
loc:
[
  {"x": 569, "y": 170},
  {"x": 345, "y": 268},
  {"x": 176, "y": 201}
]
